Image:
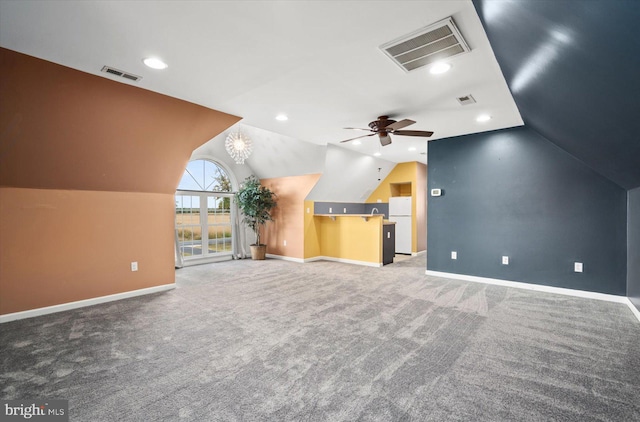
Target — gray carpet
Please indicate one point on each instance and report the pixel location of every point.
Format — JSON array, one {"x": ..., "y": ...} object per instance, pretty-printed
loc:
[{"x": 280, "y": 341}]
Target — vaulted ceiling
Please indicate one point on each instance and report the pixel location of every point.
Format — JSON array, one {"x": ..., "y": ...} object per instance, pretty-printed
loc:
[
  {"x": 319, "y": 62},
  {"x": 573, "y": 68},
  {"x": 568, "y": 67}
]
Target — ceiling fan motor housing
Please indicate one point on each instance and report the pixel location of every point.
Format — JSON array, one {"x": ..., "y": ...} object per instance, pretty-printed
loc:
[{"x": 381, "y": 123}]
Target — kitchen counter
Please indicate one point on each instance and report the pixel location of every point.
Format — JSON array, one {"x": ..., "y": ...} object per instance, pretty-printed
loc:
[
  {"x": 365, "y": 217},
  {"x": 367, "y": 239}
]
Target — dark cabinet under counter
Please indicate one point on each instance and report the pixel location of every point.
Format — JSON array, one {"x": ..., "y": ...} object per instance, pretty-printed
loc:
[{"x": 388, "y": 243}]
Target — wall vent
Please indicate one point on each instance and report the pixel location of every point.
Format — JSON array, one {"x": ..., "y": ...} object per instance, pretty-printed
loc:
[
  {"x": 121, "y": 73},
  {"x": 466, "y": 100},
  {"x": 426, "y": 46}
]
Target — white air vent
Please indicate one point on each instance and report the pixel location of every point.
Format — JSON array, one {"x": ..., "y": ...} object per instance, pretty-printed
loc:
[
  {"x": 427, "y": 45},
  {"x": 466, "y": 100},
  {"x": 121, "y": 73}
]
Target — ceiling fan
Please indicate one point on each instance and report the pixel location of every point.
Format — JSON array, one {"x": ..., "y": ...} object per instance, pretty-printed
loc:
[{"x": 385, "y": 126}]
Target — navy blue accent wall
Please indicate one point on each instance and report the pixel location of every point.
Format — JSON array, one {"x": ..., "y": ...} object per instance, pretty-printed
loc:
[
  {"x": 514, "y": 193},
  {"x": 633, "y": 250},
  {"x": 572, "y": 67}
]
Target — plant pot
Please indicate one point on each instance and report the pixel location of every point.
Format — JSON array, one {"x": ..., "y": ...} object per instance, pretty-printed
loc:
[{"x": 258, "y": 251}]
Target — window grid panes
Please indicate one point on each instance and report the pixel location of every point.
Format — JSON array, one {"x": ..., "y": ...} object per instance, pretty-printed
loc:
[{"x": 200, "y": 236}]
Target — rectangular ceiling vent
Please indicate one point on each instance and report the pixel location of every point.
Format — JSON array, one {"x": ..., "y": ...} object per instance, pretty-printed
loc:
[
  {"x": 121, "y": 73},
  {"x": 466, "y": 100},
  {"x": 427, "y": 45}
]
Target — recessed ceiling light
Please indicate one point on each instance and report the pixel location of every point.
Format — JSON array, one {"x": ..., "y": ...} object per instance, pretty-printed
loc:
[
  {"x": 357, "y": 142},
  {"x": 439, "y": 67},
  {"x": 376, "y": 154},
  {"x": 412, "y": 148},
  {"x": 483, "y": 118},
  {"x": 155, "y": 63},
  {"x": 282, "y": 117}
]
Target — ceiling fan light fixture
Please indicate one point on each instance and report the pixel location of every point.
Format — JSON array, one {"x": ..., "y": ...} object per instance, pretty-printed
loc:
[
  {"x": 282, "y": 117},
  {"x": 357, "y": 142},
  {"x": 377, "y": 154},
  {"x": 155, "y": 63},
  {"x": 483, "y": 118},
  {"x": 439, "y": 68}
]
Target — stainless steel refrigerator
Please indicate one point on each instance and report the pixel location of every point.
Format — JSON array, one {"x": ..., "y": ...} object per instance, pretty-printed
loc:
[{"x": 400, "y": 213}]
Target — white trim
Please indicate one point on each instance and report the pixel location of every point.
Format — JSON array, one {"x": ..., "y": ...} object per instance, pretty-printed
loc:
[
  {"x": 418, "y": 253},
  {"x": 224, "y": 256},
  {"x": 285, "y": 258},
  {"x": 344, "y": 261},
  {"x": 82, "y": 303},
  {"x": 633, "y": 308},
  {"x": 529, "y": 286}
]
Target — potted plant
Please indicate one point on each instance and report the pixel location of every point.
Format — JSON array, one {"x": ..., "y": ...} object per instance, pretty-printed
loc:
[{"x": 256, "y": 202}]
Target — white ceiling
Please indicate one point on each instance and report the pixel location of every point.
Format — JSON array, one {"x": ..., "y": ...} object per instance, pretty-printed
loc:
[{"x": 317, "y": 61}]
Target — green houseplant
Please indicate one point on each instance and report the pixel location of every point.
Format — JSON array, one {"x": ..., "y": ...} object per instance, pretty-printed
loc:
[{"x": 256, "y": 202}]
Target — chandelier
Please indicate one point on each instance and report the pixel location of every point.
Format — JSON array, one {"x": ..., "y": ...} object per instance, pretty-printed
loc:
[{"x": 238, "y": 146}]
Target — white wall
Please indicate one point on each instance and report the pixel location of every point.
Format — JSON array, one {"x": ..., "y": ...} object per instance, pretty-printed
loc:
[{"x": 349, "y": 176}]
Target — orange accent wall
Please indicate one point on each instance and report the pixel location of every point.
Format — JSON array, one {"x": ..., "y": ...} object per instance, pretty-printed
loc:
[
  {"x": 65, "y": 129},
  {"x": 60, "y": 246},
  {"x": 88, "y": 168},
  {"x": 289, "y": 215}
]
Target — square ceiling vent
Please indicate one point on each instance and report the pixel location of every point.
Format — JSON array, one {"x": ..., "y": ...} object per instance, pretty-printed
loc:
[{"x": 427, "y": 45}]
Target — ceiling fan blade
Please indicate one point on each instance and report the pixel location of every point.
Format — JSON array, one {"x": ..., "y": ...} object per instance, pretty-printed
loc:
[
  {"x": 399, "y": 125},
  {"x": 357, "y": 137},
  {"x": 357, "y": 128},
  {"x": 424, "y": 133},
  {"x": 385, "y": 139}
]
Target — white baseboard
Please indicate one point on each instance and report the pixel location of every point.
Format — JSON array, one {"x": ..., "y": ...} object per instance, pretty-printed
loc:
[
  {"x": 344, "y": 261},
  {"x": 285, "y": 258},
  {"x": 418, "y": 253},
  {"x": 633, "y": 308},
  {"x": 206, "y": 260},
  {"x": 82, "y": 303},
  {"x": 529, "y": 286}
]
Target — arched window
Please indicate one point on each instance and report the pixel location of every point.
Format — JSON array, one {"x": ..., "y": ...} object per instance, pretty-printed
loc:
[
  {"x": 204, "y": 220},
  {"x": 205, "y": 176}
]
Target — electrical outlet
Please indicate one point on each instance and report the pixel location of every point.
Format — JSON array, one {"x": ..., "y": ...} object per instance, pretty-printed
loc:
[
  {"x": 134, "y": 266},
  {"x": 577, "y": 267},
  {"x": 330, "y": 210},
  {"x": 454, "y": 255},
  {"x": 285, "y": 243},
  {"x": 505, "y": 260},
  {"x": 308, "y": 210},
  {"x": 344, "y": 210}
]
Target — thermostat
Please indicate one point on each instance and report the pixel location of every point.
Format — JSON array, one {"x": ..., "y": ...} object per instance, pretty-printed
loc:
[{"x": 436, "y": 192}]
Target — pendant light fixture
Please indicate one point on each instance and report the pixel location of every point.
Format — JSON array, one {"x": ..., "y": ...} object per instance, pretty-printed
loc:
[{"x": 239, "y": 146}]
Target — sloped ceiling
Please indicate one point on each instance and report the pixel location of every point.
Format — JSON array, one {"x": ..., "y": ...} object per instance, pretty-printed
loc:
[
  {"x": 349, "y": 176},
  {"x": 317, "y": 61},
  {"x": 572, "y": 67}
]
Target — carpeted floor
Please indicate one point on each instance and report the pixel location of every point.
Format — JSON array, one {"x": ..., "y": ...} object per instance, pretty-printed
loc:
[{"x": 281, "y": 341}]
